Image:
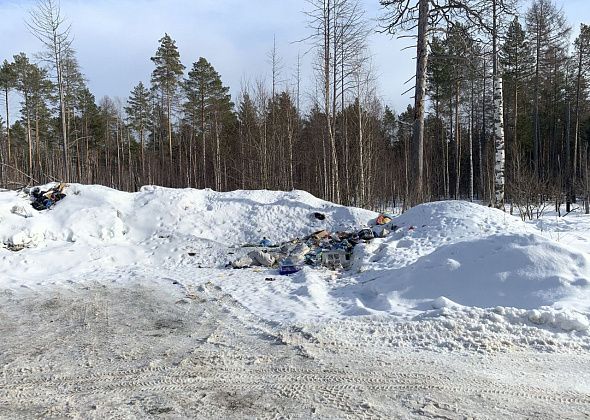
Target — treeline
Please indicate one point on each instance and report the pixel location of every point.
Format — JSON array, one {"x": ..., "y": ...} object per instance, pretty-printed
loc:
[
  {"x": 546, "y": 111},
  {"x": 183, "y": 129}
]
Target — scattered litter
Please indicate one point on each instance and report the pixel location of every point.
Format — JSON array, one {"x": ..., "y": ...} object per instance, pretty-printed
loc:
[
  {"x": 43, "y": 200},
  {"x": 320, "y": 234},
  {"x": 366, "y": 234},
  {"x": 21, "y": 211},
  {"x": 243, "y": 262},
  {"x": 383, "y": 219},
  {"x": 287, "y": 266},
  {"x": 15, "y": 247},
  {"x": 262, "y": 258},
  {"x": 335, "y": 259},
  {"x": 333, "y": 250},
  {"x": 319, "y": 216}
]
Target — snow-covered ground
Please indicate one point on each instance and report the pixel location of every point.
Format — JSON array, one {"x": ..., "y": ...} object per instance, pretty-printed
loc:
[{"x": 455, "y": 284}]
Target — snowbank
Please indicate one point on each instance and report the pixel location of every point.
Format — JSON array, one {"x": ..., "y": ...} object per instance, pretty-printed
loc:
[
  {"x": 443, "y": 259},
  {"x": 94, "y": 213}
]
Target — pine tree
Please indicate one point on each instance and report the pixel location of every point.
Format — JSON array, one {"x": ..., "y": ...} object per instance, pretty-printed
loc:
[
  {"x": 32, "y": 84},
  {"x": 137, "y": 114},
  {"x": 166, "y": 77},
  {"x": 582, "y": 55},
  {"x": 7, "y": 83},
  {"x": 547, "y": 30},
  {"x": 208, "y": 106},
  {"x": 517, "y": 62},
  {"x": 250, "y": 154}
]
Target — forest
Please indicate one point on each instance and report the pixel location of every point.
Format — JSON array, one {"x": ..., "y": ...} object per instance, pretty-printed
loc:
[{"x": 500, "y": 112}]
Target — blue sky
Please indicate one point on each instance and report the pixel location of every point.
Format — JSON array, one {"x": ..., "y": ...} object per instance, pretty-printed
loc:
[{"x": 115, "y": 39}]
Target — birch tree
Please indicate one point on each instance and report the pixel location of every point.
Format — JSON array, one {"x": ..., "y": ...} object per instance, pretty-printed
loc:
[
  {"x": 339, "y": 35},
  {"x": 499, "y": 166}
]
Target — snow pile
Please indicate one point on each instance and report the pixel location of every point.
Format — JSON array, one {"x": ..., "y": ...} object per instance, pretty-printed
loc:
[
  {"x": 445, "y": 260},
  {"x": 430, "y": 226},
  {"x": 458, "y": 254},
  {"x": 92, "y": 214},
  {"x": 523, "y": 271}
]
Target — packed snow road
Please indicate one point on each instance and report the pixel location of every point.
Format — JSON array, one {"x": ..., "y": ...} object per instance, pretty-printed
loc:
[
  {"x": 121, "y": 305},
  {"x": 99, "y": 349}
]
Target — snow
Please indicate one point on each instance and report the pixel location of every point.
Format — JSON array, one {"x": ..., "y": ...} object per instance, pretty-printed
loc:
[
  {"x": 442, "y": 259},
  {"x": 124, "y": 301}
]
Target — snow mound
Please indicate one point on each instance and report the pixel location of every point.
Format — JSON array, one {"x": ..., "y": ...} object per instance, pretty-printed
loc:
[
  {"x": 431, "y": 226},
  {"x": 452, "y": 255},
  {"x": 445, "y": 221},
  {"x": 94, "y": 214},
  {"x": 522, "y": 271}
]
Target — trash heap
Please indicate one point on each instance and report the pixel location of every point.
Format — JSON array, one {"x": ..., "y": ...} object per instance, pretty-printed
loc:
[
  {"x": 333, "y": 250},
  {"x": 43, "y": 200}
]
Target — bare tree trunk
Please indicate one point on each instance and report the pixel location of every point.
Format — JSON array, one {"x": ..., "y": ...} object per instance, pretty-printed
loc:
[
  {"x": 60, "y": 84},
  {"x": 169, "y": 114},
  {"x": 37, "y": 143},
  {"x": 9, "y": 151},
  {"x": 569, "y": 190},
  {"x": 362, "y": 186},
  {"x": 29, "y": 136},
  {"x": 418, "y": 128},
  {"x": 204, "y": 144},
  {"x": 536, "y": 121},
  {"x": 457, "y": 144},
  {"x": 472, "y": 106},
  {"x": 577, "y": 123}
]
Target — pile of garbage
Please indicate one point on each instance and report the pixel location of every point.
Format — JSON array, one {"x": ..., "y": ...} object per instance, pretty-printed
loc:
[
  {"x": 333, "y": 250},
  {"x": 43, "y": 200}
]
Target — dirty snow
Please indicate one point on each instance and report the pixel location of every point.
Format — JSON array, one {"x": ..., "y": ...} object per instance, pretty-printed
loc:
[{"x": 453, "y": 280}]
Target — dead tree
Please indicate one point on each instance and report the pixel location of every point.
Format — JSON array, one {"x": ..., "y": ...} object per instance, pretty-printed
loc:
[
  {"x": 425, "y": 16},
  {"x": 49, "y": 26}
]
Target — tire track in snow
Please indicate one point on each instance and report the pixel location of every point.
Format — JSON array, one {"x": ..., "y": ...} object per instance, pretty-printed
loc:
[{"x": 199, "y": 352}]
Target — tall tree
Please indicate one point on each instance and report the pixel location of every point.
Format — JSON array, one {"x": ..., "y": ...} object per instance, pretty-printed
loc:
[
  {"x": 34, "y": 87},
  {"x": 426, "y": 15},
  {"x": 7, "y": 83},
  {"x": 209, "y": 105},
  {"x": 49, "y": 26},
  {"x": 339, "y": 36},
  {"x": 516, "y": 60},
  {"x": 166, "y": 78},
  {"x": 582, "y": 46},
  {"x": 547, "y": 29},
  {"x": 137, "y": 113}
]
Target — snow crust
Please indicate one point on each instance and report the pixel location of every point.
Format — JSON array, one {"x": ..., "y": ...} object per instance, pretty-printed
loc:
[{"x": 448, "y": 261}]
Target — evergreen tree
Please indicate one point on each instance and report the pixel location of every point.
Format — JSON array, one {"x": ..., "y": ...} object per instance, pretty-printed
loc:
[
  {"x": 517, "y": 62},
  {"x": 582, "y": 57},
  {"x": 208, "y": 105},
  {"x": 166, "y": 77},
  {"x": 33, "y": 85},
  {"x": 547, "y": 30},
  {"x": 250, "y": 148},
  {"x": 137, "y": 114},
  {"x": 7, "y": 83}
]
